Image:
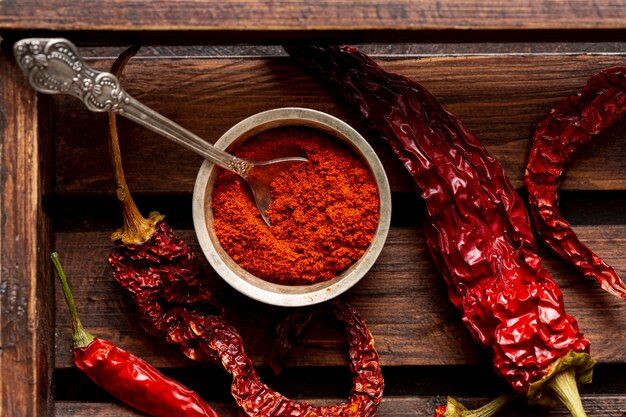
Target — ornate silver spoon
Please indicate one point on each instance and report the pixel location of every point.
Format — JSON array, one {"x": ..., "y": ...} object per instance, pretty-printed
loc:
[{"x": 54, "y": 66}]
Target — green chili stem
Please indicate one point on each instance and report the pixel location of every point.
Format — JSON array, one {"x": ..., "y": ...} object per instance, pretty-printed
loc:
[
  {"x": 80, "y": 337},
  {"x": 564, "y": 386},
  {"x": 492, "y": 407},
  {"x": 456, "y": 409}
]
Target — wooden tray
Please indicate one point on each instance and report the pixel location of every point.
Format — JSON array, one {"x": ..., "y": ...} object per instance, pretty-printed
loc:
[{"x": 57, "y": 188}]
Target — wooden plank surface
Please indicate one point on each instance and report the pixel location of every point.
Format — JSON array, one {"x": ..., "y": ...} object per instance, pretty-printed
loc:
[
  {"x": 26, "y": 326},
  {"x": 302, "y": 15},
  {"x": 500, "y": 98},
  {"x": 499, "y": 93},
  {"x": 402, "y": 298},
  {"x": 499, "y": 90},
  {"x": 595, "y": 405}
]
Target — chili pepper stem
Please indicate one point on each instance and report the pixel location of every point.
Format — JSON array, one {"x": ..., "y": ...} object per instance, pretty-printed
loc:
[
  {"x": 137, "y": 229},
  {"x": 564, "y": 386},
  {"x": 80, "y": 337},
  {"x": 456, "y": 409}
]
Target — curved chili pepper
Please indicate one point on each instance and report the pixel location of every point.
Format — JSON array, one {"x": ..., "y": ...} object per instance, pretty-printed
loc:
[
  {"x": 256, "y": 399},
  {"x": 166, "y": 268},
  {"x": 206, "y": 337},
  {"x": 477, "y": 227},
  {"x": 175, "y": 304},
  {"x": 125, "y": 376},
  {"x": 559, "y": 136}
]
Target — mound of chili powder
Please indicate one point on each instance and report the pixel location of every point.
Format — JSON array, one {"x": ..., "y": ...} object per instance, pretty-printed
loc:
[{"x": 324, "y": 212}]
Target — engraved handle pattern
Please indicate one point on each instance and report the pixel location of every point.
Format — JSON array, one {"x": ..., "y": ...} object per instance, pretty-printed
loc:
[{"x": 54, "y": 66}]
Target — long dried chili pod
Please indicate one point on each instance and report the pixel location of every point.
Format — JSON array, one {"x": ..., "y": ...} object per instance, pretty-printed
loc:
[
  {"x": 147, "y": 247},
  {"x": 558, "y": 138},
  {"x": 212, "y": 336},
  {"x": 205, "y": 337},
  {"x": 174, "y": 304},
  {"x": 477, "y": 228},
  {"x": 125, "y": 376}
]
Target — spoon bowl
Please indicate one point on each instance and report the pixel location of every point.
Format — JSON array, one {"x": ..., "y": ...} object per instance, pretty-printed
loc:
[{"x": 261, "y": 175}]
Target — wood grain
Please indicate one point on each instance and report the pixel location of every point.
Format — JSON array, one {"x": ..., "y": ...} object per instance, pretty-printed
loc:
[
  {"x": 595, "y": 405},
  {"x": 306, "y": 16},
  {"x": 500, "y": 98},
  {"x": 402, "y": 298},
  {"x": 26, "y": 330}
]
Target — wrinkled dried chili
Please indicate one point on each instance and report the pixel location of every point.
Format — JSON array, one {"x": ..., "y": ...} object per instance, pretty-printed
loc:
[
  {"x": 558, "y": 137},
  {"x": 125, "y": 376},
  {"x": 205, "y": 337},
  {"x": 323, "y": 214},
  {"x": 211, "y": 336},
  {"x": 174, "y": 303},
  {"x": 150, "y": 261},
  {"x": 477, "y": 228}
]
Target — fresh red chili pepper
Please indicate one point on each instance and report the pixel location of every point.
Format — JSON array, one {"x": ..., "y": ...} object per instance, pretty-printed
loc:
[
  {"x": 477, "y": 228},
  {"x": 125, "y": 376},
  {"x": 175, "y": 304},
  {"x": 559, "y": 136}
]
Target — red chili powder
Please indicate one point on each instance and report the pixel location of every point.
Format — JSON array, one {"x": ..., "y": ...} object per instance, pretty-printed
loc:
[{"x": 324, "y": 212}]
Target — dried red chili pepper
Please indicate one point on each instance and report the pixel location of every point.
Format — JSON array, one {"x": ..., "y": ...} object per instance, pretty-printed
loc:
[
  {"x": 559, "y": 136},
  {"x": 477, "y": 228},
  {"x": 205, "y": 337},
  {"x": 150, "y": 261},
  {"x": 214, "y": 337},
  {"x": 125, "y": 376},
  {"x": 174, "y": 303}
]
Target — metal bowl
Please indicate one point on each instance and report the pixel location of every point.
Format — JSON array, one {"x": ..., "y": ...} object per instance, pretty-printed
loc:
[{"x": 242, "y": 280}]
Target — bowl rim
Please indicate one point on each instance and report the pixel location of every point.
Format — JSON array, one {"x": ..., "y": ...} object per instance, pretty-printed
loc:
[{"x": 257, "y": 288}]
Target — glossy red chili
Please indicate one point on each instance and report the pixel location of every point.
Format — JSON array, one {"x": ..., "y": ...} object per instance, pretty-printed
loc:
[
  {"x": 558, "y": 138},
  {"x": 477, "y": 227},
  {"x": 125, "y": 376}
]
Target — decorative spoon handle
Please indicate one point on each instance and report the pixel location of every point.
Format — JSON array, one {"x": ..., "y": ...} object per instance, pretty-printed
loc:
[{"x": 54, "y": 66}]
